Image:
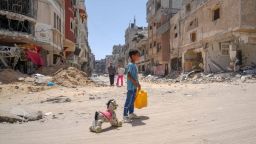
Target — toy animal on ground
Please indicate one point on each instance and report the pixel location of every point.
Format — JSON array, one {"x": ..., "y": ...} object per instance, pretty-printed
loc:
[{"x": 108, "y": 116}]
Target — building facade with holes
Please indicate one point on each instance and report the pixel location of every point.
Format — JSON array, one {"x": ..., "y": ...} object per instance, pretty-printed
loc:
[
  {"x": 42, "y": 33},
  {"x": 118, "y": 55},
  {"x": 131, "y": 35},
  {"x": 17, "y": 33},
  {"x": 213, "y": 35},
  {"x": 159, "y": 13}
]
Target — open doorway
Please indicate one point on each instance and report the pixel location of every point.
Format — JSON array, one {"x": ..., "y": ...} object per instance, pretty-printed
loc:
[
  {"x": 176, "y": 64},
  {"x": 193, "y": 61}
]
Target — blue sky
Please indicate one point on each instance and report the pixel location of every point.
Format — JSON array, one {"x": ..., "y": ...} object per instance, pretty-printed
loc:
[{"x": 107, "y": 21}]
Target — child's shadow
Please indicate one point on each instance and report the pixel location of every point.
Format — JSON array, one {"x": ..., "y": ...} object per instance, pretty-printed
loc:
[{"x": 139, "y": 121}]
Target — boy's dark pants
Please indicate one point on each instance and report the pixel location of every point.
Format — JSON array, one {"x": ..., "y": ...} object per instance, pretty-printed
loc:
[
  {"x": 129, "y": 103},
  {"x": 112, "y": 79}
]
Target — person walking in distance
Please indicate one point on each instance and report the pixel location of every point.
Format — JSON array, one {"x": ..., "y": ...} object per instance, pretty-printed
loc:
[
  {"x": 120, "y": 77},
  {"x": 111, "y": 72}
]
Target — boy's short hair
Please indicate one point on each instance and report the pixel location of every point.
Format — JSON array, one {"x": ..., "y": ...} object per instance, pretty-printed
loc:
[{"x": 133, "y": 52}]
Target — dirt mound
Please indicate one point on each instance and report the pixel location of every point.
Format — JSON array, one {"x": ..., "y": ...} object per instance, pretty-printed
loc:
[
  {"x": 49, "y": 71},
  {"x": 71, "y": 77},
  {"x": 9, "y": 76}
]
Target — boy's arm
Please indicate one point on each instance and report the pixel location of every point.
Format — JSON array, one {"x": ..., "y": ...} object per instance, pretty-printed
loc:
[{"x": 134, "y": 81}]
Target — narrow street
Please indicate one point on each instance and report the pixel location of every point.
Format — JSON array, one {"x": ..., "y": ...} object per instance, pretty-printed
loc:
[{"x": 216, "y": 113}]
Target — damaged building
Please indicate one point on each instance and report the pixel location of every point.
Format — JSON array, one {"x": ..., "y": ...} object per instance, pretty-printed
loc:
[
  {"x": 141, "y": 40},
  {"x": 159, "y": 13},
  {"x": 213, "y": 36},
  {"x": 131, "y": 34},
  {"x": 17, "y": 30},
  {"x": 118, "y": 55},
  {"x": 50, "y": 30},
  {"x": 43, "y": 33}
]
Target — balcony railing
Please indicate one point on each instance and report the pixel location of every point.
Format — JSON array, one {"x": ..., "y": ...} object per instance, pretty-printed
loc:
[
  {"x": 25, "y": 27},
  {"x": 23, "y": 7}
]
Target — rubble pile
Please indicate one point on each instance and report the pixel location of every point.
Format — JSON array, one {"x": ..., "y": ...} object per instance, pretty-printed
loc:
[
  {"x": 156, "y": 79},
  {"x": 249, "y": 70},
  {"x": 49, "y": 71},
  {"x": 197, "y": 78},
  {"x": 208, "y": 78},
  {"x": 71, "y": 77},
  {"x": 9, "y": 76}
]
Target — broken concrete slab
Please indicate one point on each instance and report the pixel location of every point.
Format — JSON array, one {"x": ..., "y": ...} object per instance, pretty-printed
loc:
[
  {"x": 33, "y": 116},
  {"x": 27, "y": 114},
  {"x": 10, "y": 118},
  {"x": 20, "y": 115},
  {"x": 59, "y": 99}
]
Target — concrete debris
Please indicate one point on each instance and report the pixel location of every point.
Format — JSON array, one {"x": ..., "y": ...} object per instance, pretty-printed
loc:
[
  {"x": 249, "y": 71},
  {"x": 245, "y": 78},
  {"x": 59, "y": 99},
  {"x": 71, "y": 77},
  {"x": 48, "y": 113},
  {"x": 20, "y": 115},
  {"x": 21, "y": 79},
  {"x": 10, "y": 118},
  {"x": 198, "y": 77},
  {"x": 33, "y": 116},
  {"x": 42, "y": 79}
]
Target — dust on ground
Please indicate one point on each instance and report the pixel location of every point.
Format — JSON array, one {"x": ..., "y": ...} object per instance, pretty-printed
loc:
[{"x": 180, "y": 113}]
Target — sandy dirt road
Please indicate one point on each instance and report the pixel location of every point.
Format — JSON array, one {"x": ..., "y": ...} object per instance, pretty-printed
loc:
[{"x": 217, "y": 113}]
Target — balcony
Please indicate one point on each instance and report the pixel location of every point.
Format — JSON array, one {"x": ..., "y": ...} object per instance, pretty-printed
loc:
[
  {"x": 22, "y": 7},
  {"x": 25, "y": 27}
]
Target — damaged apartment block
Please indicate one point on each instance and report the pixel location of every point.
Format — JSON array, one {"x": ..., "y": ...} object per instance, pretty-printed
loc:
[
  {"x": 214, "y": 35},
  {"x": 17, "y": 15},
  {"x": 17, "y": 22}
]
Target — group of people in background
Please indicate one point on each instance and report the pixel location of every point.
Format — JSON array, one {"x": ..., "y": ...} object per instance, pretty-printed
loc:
[{"x": 113, "y": 71}]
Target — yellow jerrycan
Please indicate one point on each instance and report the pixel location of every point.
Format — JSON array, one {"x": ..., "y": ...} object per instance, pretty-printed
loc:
[{"x": 141, "y": 100}]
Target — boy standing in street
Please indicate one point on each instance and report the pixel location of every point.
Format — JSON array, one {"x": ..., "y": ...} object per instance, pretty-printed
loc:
[{"x": 132, "y": 86}]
